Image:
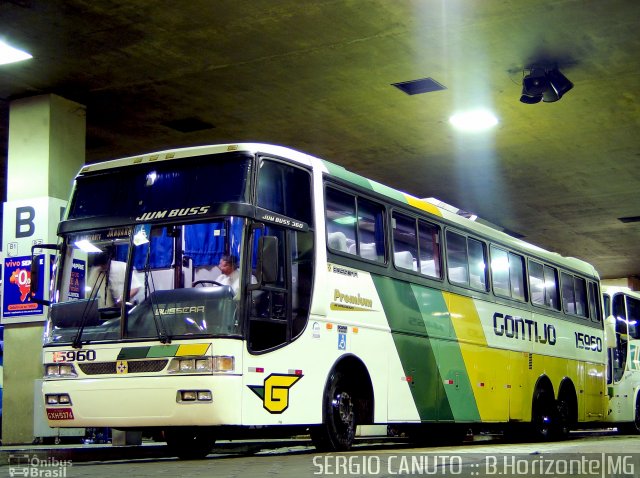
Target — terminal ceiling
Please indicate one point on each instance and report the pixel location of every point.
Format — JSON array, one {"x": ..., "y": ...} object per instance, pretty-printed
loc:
[{"x": 317, "y": 75}]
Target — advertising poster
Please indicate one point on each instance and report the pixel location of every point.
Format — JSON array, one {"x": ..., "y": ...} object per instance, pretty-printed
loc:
[
  {"x": 16, "y": 284},
  {"x": 76, "y": 282}
]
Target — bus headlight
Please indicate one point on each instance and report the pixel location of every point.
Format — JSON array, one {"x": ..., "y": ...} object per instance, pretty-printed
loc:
[
  {"x": 215, "y": 364},
  {"x": 59, "y": 370},
  {"x": 223, "y": 363}
]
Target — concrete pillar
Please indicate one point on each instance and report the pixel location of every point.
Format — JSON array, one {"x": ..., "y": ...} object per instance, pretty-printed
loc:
[{"x": 46, "y": 150}]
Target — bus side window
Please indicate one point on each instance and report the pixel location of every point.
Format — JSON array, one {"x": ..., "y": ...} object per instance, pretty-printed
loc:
[
  {"x": 405, "y": 245},
  {"x": 595, "y": 311},
  {"x": 507, "y": 270},
  {"x": 500, "y": 272},
  {"x": 536, "y": 283},
  {"x": 574, "y": 295},
  {"x": 430, "y": 253},
  {"x": 543, "y": 283},
  {"x": 457, "y": 261},
  {"x": 370, "y": 230},
  {"x": 551, "y": 291},
  {"x": 633, "y": 316},
  {"x": 568, "y": 294},
  {"x": 341, "y": 220}
]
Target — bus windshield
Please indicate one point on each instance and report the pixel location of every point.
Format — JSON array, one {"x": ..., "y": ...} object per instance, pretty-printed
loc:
[{"x": 159, "y": 281}]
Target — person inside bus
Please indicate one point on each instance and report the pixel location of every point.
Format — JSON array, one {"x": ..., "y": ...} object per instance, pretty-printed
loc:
[{"x": 229, "y": 273}]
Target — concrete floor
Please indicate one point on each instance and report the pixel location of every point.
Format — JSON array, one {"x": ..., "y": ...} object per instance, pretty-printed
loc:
[{"x": 601, "y": 455}]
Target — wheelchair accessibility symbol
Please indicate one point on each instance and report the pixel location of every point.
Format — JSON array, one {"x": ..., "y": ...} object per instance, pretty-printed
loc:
[{"x": 342, "y": 341}]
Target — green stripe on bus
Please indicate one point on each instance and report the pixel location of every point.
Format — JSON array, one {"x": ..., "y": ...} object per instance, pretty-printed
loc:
[
  {"x": 451, "y": 365},
  {"x": 130, "y": 353},
  {"x": 414, "y": 347},
  {"x": 341, "y": 173},
  {"x": 157, "y": 351}
]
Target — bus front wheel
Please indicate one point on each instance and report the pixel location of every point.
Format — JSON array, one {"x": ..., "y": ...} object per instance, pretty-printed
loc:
[
  {"x": 543, "y": 415},
  {"x": 338, "y": 428},
  {"x": 189, "y": 443}
]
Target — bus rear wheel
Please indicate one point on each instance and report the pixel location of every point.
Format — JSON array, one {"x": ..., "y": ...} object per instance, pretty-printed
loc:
[
  {"x": 189, "y": 443},
  {"x": 565, "y": 417},
  {"x": 338, "y": 428}
]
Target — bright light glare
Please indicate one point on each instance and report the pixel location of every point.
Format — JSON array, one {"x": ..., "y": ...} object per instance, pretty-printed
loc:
[
  {"x": 476, "y": 120},
  {"x": 86, "y": 246},
  {"x": 9, "y": 54}
]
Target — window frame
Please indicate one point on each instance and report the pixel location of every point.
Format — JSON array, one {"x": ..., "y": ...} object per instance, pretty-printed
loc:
[
  {"x": 356, "y": 225},
  {"x": 524, "y": 276},
  {"x": 466, "y": 237}
]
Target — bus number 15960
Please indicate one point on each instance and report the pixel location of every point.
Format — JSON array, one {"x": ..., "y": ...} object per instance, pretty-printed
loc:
[
  {"x": 74, "y": 356},
  {"x": 588, "y": 342}
]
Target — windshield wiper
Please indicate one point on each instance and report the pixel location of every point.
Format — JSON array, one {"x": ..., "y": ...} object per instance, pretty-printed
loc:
[
  {"x": 77, "y": 341},
  {"x": 161, "y": 330}
]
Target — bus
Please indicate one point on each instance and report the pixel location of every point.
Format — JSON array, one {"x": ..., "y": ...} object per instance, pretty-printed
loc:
[
  {"x": 622, "y": 310},
  {"x": 353, "y": 304}
]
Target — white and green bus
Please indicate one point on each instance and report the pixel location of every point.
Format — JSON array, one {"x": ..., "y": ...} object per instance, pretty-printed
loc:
[
  {"x": 353, "y": 304},
  {"x": 622, "y": 309}
]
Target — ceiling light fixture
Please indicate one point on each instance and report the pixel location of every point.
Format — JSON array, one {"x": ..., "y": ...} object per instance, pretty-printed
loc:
[
  {"x": 543, "y": 84},
  {"x": 474, "y": 121},
  {"x": 9, "y": 54}
]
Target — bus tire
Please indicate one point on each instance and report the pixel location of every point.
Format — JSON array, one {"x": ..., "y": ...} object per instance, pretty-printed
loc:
[
  {"x": 542, "y": 415},
  {"x": 566, "y": 415},
  {"x": 338, "y": 428},
  {"x": 189, "y": 443}
]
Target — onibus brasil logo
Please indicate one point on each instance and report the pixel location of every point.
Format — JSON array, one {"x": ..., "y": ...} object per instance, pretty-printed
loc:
[{"x": 274, "y": 392}]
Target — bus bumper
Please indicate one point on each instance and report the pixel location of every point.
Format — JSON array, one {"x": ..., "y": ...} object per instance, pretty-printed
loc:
[{"x": 145, "y": 401}]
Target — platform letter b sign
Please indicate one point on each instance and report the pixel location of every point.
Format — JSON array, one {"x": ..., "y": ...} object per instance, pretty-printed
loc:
[{"x": 25, "y": 226}]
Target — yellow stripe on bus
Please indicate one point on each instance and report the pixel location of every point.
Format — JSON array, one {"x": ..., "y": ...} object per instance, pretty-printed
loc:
[
  {"x": 192, "y": 349},
  {"x": 486, "y": 368},
  {"x": 425, "y": 206}
]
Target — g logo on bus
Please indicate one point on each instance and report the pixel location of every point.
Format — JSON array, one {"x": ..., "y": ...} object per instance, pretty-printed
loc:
[{"x": 274, "y": 393}]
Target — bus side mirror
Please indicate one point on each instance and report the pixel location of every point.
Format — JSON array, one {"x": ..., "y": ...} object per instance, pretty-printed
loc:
[
  {"x": 610, "y": 332},
  {"x": 267, "y": 266},
  {"x": 36, "y": 259}
]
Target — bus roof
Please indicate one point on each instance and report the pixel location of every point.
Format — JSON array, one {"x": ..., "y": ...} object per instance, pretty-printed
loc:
[{"x": 614, "y": 289}]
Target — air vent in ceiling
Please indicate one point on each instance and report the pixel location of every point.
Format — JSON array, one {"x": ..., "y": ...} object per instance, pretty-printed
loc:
[
  {"x": 188, "y": 125},
  {"x": 416, "y": 87},
  {"x": 629, "y": 219}
]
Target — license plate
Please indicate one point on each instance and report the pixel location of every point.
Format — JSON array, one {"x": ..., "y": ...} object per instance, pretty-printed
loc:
[{"x": 59, "y": 414}]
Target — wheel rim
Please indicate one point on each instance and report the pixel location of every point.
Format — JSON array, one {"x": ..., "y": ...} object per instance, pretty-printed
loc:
[
  {"x": 342, "y": 406},
  {"x": 564, "y": 417}
]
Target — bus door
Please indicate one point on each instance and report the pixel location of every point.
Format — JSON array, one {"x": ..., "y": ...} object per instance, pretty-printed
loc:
[{"x": 278, "y": 299}]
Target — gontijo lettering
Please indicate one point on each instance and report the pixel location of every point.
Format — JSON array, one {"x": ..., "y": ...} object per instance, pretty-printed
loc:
[{"x": 514, "y": 327}]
